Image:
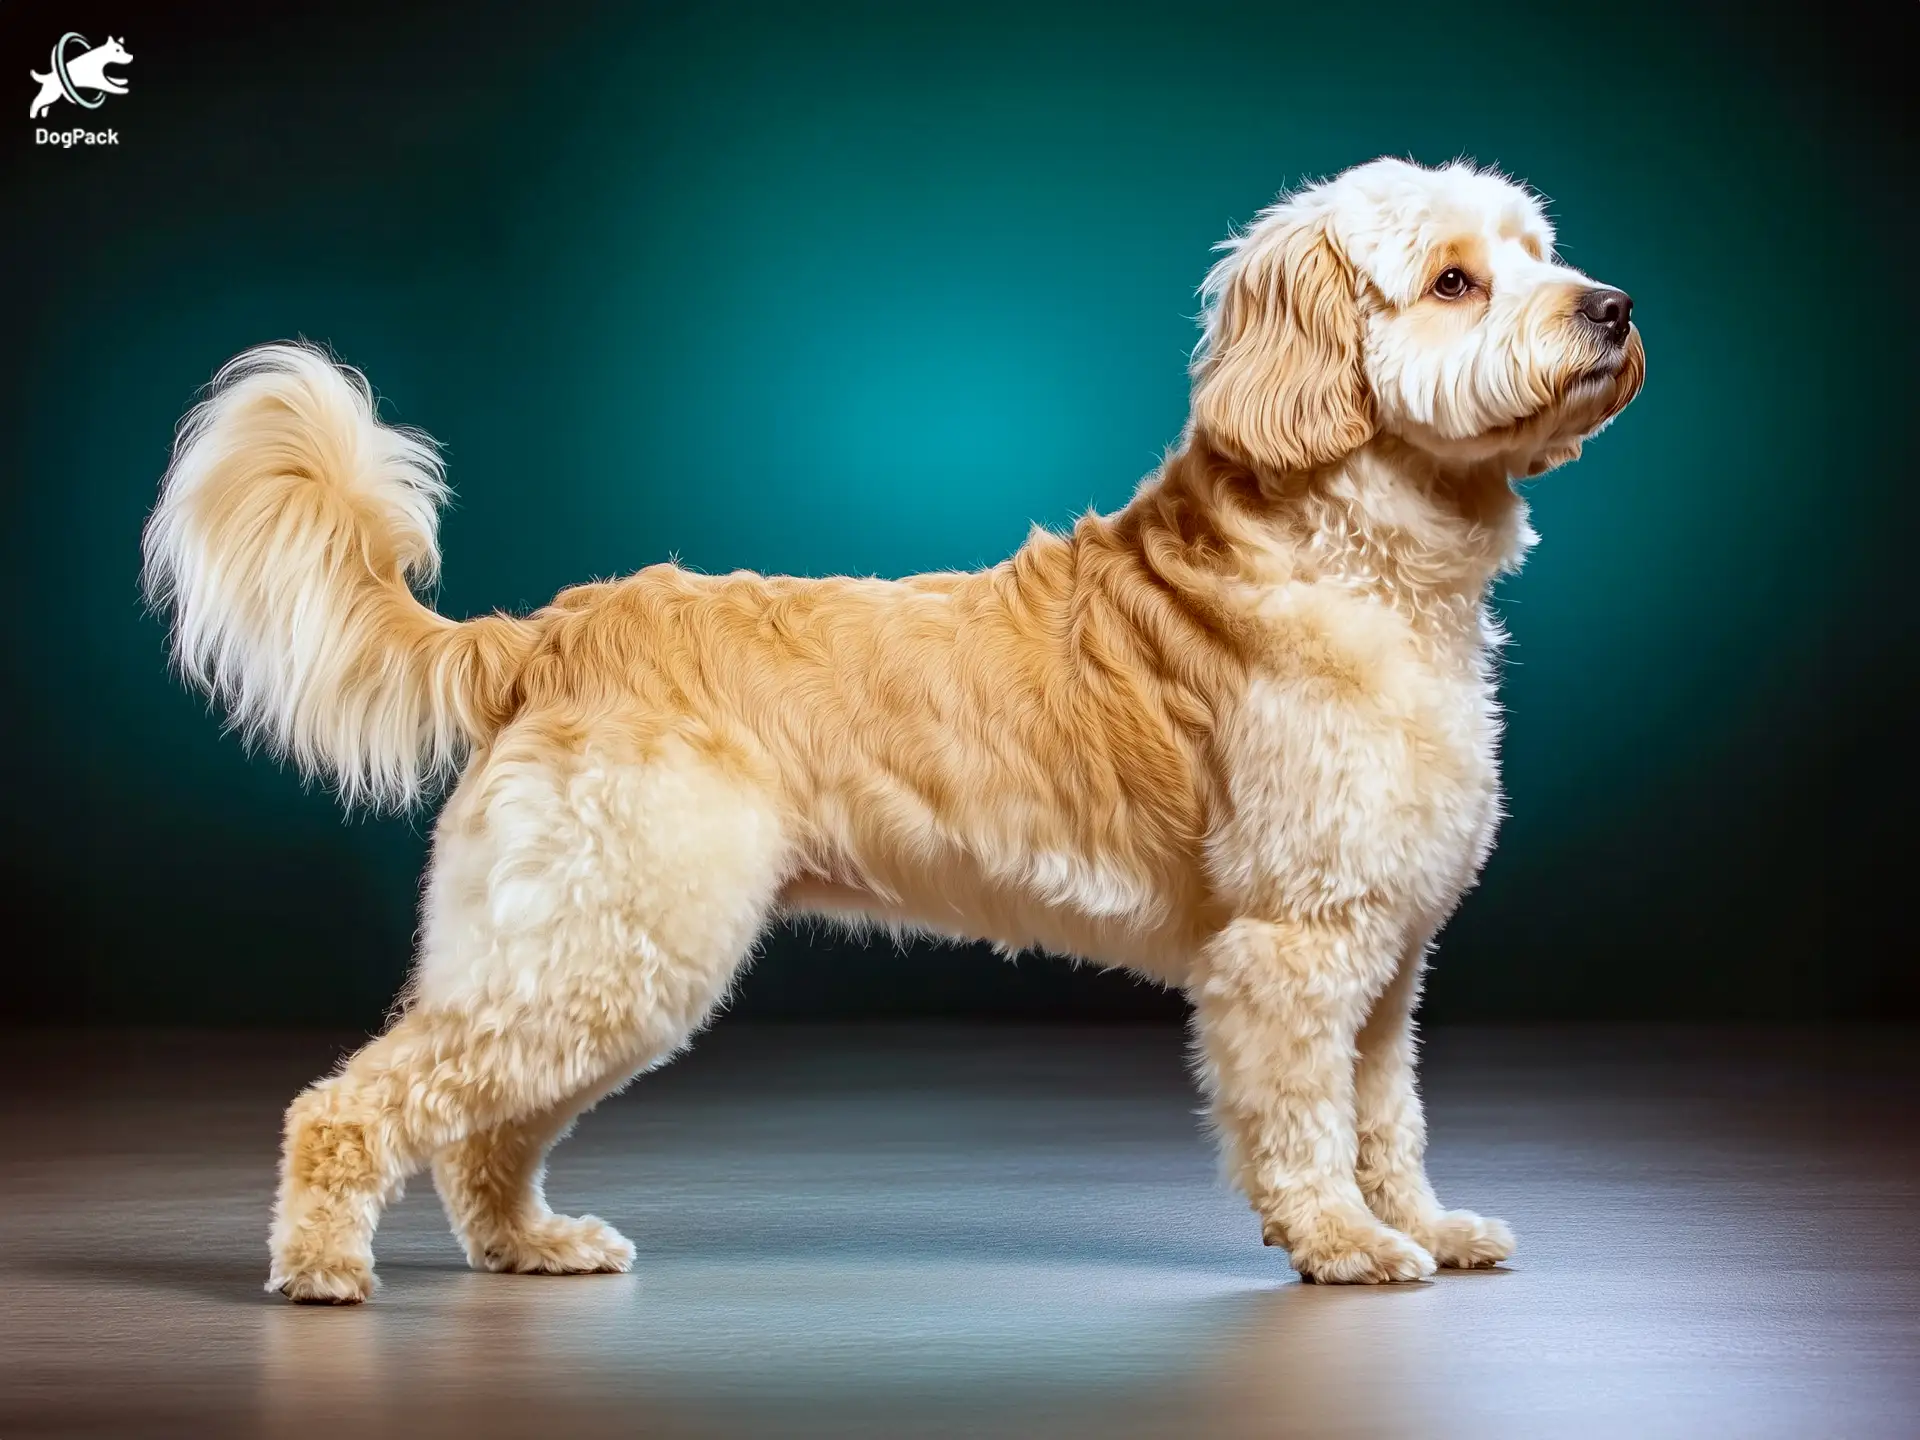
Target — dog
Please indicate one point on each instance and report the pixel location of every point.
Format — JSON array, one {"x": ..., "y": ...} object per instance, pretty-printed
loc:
[
  {"x": 1238, "y": 736},
  {"x": 86, "y": 71}
]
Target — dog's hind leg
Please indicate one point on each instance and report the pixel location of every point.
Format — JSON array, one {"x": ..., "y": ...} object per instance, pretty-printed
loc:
[
  {"x": 587, "y": 910},
  {"x": 493, "y": 1187}
]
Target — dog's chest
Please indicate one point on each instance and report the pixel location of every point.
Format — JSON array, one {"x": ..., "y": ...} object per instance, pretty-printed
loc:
[{"x": 1361, "y": 763}]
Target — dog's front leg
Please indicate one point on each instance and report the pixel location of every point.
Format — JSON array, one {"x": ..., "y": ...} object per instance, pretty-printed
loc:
[
  {"x": 1393, "y": 1134},
  {"x": 1278, "y": 1006}
]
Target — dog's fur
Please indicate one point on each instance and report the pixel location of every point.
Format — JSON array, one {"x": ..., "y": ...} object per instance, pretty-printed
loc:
[{"x": 1239, "y": 736}]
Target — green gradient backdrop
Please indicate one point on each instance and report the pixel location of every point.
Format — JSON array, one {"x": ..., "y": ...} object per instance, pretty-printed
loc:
[{"x": 869, "y": 289}]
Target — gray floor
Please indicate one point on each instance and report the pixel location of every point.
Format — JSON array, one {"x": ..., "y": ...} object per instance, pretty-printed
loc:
[{"x": 990, "y": 1232}]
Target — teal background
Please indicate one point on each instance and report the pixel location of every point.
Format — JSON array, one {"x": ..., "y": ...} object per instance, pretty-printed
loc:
[{"x": 871, "y": 288}]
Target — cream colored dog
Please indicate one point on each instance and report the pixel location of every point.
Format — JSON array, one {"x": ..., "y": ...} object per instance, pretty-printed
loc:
[{"x": 1239, "y": 736}]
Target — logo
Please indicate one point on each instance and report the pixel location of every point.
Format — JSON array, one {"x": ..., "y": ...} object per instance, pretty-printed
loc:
[{"x": 74, "y": 69}]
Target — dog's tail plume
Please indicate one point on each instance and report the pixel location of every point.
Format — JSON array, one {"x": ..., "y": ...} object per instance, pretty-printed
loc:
[{"x": 291, "y": 527}]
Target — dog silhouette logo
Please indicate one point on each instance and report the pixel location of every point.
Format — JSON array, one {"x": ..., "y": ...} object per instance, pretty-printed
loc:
[{"x": 70, "y": 74}]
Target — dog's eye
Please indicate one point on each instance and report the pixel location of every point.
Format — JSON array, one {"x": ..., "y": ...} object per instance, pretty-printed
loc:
[{"x": 1452, "y": 284}]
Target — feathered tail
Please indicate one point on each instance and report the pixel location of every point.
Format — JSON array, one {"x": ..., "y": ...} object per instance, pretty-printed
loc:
[{"x": 291, "y": 527}]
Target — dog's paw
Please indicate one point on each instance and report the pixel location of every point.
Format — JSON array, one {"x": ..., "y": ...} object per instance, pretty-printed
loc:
[
  {"x": 1462, "y": 1240},
  {"x": 340, "y": 1282},
  {"x": 1341, "y": 1253},
  {"x": 557, "y": 1245}
]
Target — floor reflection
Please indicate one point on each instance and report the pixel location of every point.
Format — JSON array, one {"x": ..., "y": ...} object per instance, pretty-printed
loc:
[{"x": 1011, "y": 1235}]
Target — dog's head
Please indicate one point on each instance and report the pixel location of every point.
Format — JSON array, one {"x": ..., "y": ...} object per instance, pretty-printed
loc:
[{"x": 1422, "y": 304}]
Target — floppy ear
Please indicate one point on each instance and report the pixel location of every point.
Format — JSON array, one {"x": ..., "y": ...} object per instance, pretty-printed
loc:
[{"x": 1277, "y": 381}]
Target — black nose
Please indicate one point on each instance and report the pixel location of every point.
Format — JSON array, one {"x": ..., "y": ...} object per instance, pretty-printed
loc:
[{"x": 1610, "y": 310}]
